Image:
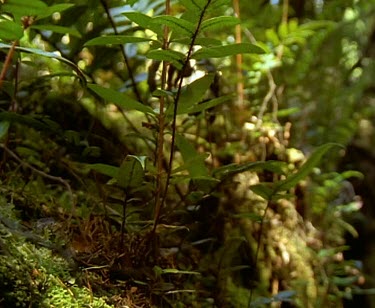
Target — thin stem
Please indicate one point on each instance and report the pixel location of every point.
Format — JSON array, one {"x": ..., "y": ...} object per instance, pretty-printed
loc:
[
  {"x": 160, "y": 143},
  {"x": 240, "y": 85},
  {"x": 175, "y": 102},
  {"x": 123, "y": 222}
]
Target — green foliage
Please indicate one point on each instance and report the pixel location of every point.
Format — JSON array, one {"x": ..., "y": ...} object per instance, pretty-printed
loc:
[{"x": 160, "y": 135}]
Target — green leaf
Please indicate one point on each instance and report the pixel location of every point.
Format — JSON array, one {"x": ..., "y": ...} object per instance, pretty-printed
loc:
[
  {"x": 344, "y": 281},
  {"x": 105, "y": 169},
  {"x": 116, "y": 40},
  {"x": 316, "y": 24},
  {"x": 263, "y": 190},
  {"x": 131, "y": 2},
  {"x": 194, "y": 5},
  {"x": 57, "y": 29},
  {"x": 174, "y": 57},
  {"x": 80, "y": 74},
  {"x": 306, "y": 168},
  {"x": 4, "y": 127},
  {"x": 283, "y": 30},
  {"x": 287, "y": 112},
  {"x": 272, "y": 36},
  {"x": 227, "y": 50},
  {"x": 40, "y": 124},
  {"x": 20, "y": 8},
  {"x": 202, "y": 41},
  {"x": 144, "y": 21},
  {"x": 10, "y": 31},
  {"x": 216, "y": 4},
  {"x": 119, "y": 99},
  {"x": 192, "y": 94},
  {"x": 178, "y": 25},
  {"x": 351, "y": 173},
  {"x": 131, "y": 172},
  {"x": 189, "y": 153},
  {"x": 209, "y": 104},
  {"x": 232, "y": 169},
  {"x": 219, "y": 23},
  {"x": 56, "y": 8},
  {"x": 205, "y": 184},
  {"x": 190, "y": 162}
]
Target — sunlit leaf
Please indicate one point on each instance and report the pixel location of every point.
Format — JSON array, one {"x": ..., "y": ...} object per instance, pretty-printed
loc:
[
  {"x": 47, "y": 54},
  {"x": 178, "y": 25},
  {"x": 216, "y": 23},
  {"x": 283, "y": 30},
  {"x": 227, "y": 50},
  {"x": 119, "y": 99},
  {"x": 144, "y": 21},
  {"x": 57, "y": 29},
  {"x": 56, "y": 8},
  {"x": 272, "y": 36},
  {"x": 194, "y": 5},
  {"x": 174, "y": 57},
  {"x": 287, "y": 112},
  {"x": 202, "y": 41},
  {"x": 10, "y": 31},
  {"x": 316, "y": 24},
  {"x": 116, "y": 40},
  {"x": 19, "y": 8},
  {"x": 351, "y": 173}
]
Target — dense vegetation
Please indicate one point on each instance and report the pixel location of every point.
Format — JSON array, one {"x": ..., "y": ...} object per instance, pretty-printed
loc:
[{"x": 191, "y": 153}]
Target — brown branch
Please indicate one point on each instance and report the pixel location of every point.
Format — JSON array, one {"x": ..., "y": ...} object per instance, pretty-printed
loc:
[
  {"x": 7, "y": 62},
  {"x": 160, "y": 143},
  {"x": 240, "y": 84}
]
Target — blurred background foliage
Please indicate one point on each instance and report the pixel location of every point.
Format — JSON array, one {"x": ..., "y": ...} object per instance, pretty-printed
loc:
[{"x": 79, "y": 166}]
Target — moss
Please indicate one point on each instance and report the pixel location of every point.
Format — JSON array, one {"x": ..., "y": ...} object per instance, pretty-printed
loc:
[{"x": 32, "y": 276}]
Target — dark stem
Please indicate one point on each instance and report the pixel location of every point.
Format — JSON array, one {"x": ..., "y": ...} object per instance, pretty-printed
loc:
[
  {"x": 123, "y": 222},
  {"x": 175, "y": 102}
]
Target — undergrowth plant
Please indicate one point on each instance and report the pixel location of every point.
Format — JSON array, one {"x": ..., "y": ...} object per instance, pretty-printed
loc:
[{"x": 173, "y": 184}]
